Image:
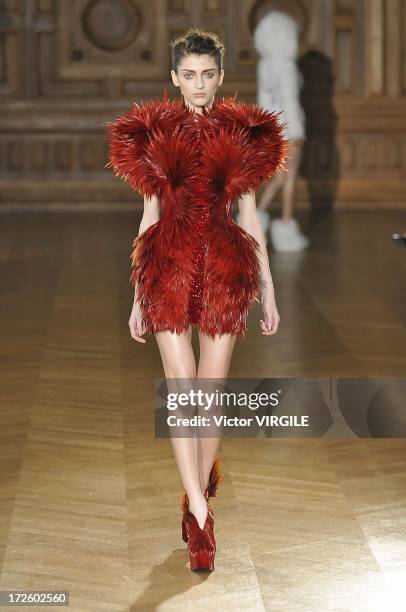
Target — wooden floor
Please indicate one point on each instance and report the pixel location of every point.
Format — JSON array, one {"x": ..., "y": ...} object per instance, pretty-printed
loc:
[{"x": 90, "y": 499}]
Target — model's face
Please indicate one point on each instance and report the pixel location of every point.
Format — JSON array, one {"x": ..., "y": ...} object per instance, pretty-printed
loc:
[{"x": 198, "y": 74}]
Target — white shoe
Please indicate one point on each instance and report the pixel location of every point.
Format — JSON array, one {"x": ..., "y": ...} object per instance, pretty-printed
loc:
[
  {"x": 264, "y": 221},
  {"x": 286, "y": 236},
  {"x": 296, "y": 230}
]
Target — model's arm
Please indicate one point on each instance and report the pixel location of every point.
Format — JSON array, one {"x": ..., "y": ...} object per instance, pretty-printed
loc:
[
  {"x": 151, "y": 213},
  {"x": 150, "y": 216},
  {"x": 249, "y": 222}
]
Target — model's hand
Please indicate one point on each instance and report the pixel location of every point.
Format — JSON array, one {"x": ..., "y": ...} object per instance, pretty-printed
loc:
[
  {"x": 137, "y": 328},
  {"x": 271, "y": 319}
]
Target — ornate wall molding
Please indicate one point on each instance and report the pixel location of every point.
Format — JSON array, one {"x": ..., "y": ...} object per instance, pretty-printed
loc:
[{"x": 69, "y": 66}]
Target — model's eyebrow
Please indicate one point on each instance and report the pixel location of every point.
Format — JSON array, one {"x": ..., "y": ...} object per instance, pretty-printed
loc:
[{"x": 207, "y": 70}]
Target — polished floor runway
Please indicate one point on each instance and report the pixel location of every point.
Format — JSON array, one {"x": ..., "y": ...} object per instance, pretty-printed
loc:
[{"x": 90, "y": 499}]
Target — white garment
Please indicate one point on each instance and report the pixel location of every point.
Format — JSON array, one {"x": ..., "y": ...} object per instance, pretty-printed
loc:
[{"x": 279, "y": 79}]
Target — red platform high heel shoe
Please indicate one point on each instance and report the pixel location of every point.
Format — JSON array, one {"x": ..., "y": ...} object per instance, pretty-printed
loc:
[
  {"x": 214, "y": 480},
  {"x": 201, "y": 542}
]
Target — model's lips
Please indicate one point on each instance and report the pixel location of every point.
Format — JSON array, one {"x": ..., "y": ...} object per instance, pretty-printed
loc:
[{"x": 199, "y": 95}]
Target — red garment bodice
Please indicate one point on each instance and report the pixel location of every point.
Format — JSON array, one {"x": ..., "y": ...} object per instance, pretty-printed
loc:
[{"x": 196, "y": 265}]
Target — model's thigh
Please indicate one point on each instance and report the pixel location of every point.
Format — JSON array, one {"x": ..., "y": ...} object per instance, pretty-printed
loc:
[
  {"x": 295, "y": 156},
  {"x": 274, "y": 184},
  {"x": 215, "y": 355},
  {"x": 177, "y": 354}
]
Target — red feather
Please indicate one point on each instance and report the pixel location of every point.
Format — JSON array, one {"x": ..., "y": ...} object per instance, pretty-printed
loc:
[
  {"x": 195, "y": 264},
  {"x": 266, "y": 151}
]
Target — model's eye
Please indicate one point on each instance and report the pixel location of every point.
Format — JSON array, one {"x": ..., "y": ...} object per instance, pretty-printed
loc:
[{"x": 209, "y": 75}]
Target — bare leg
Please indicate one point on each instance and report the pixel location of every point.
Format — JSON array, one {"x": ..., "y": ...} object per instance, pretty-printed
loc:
[
  {"x": 195, "y": 456},
  {"x": 215, "y": 358},
  {"x": 179, "y": 362},
  {"x": 270, "y": 191},
  {"x": 293, "y": 163}
]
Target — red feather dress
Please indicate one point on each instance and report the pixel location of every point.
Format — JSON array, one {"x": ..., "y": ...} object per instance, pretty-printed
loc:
[{"x": 196, "y": 265}]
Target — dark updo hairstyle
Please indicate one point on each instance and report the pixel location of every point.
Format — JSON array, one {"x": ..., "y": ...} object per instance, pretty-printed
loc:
[{"x": 197, "y": 42}]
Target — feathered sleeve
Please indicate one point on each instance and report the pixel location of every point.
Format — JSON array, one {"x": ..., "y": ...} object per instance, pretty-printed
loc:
[
  {"x": 263, "y": 150},
  {"x": 132, "y": 140}
]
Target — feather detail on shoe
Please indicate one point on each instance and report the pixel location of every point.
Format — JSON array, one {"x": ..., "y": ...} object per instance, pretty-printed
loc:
[{"x": 215, "y": 479}]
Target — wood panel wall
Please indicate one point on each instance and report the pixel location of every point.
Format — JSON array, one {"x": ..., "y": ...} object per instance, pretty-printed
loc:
[{"x": 68, "y": 66}]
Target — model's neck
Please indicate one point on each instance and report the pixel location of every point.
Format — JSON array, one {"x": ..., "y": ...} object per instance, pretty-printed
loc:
[{"x": 198, "y": 109}]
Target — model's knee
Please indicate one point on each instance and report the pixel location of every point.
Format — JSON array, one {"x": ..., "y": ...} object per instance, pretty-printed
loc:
[{"x": 180, "y": 372}]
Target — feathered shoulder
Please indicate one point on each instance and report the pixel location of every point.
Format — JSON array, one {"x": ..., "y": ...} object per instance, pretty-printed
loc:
[
  {"x": 261, "y": 124},
  {"x": 265, "y": 146},
  {"x": 134, "y": 145},
  {"x": 142, "y": 120}
]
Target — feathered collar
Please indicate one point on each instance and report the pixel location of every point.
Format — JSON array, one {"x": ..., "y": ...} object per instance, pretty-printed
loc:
[
  {"x": 164, "y": 113},
  {"x": 149, "y": 147}
]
